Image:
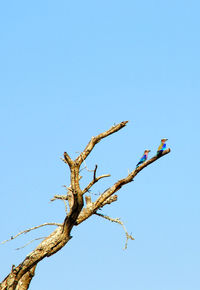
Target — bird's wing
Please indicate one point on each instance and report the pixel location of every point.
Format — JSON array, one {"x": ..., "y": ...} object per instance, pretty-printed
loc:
[
  {"x": 143, "y": 158},
  {"x": 160, "y": 147}
]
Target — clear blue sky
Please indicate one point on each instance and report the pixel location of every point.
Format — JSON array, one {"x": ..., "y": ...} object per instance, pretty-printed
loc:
[{"x": 69, "y": 70}]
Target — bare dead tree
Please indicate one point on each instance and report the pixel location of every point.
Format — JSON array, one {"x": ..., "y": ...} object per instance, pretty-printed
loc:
[{"x": 77, "y": 211}]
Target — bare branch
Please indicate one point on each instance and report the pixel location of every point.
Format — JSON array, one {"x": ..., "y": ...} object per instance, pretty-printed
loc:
[
  {"x": 49, "y": 246},
  {"x": 97, "y": 139},
  {"x": 31, "y": 229},
  {"x": 68, "y": 159},
  {"x": 58, "y": 196},
  {"x": 62, "y": 234},
  {"x": 153, "y": 159},
  {"x": 93, "y": 182},
  {"x": 89, "y": 170},
  {"x": 30, "y": 243},
  {"x": 88, "y": 201},
  {"x": 68, "y": 196},
  {"x": 24, "y": 282},
  {"x": 87, "y": 212},
  {"x": 126, "y": 180},
  {"x": 110, "y": 200},
  {"x": 63, "y": 198},
  {"x": 118, "y": 221},
  {"x": 63, "y": 160},
  {"x": 95, "y": 170},
  {"x": 66, "y": 209}
]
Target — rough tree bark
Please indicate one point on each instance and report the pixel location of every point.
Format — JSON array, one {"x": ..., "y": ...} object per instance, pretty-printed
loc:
[{"x": 21, "y": 275}]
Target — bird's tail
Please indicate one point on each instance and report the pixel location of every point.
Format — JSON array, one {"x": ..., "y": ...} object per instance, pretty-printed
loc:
[{"x": 137, "y": 165}]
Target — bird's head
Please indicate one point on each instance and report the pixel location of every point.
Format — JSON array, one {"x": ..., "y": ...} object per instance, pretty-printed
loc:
[
  {"x": 147, "y": 151},
  {"x": 164, "y": 140}
]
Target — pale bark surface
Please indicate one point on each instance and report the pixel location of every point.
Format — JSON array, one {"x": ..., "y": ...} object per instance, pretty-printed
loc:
[{"x": 20, "y": 276}]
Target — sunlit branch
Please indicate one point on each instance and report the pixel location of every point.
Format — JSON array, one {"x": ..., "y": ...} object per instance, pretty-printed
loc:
[
  {"x": 97, "y": 139},
  {"x": 118, "y": 221},
  {"x": 30, "y": 229}
]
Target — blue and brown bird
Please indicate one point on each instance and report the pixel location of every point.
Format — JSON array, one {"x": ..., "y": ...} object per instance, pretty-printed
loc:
[
  {"x": 162, "y": 146},
  {"x": 143, "y": 158}
]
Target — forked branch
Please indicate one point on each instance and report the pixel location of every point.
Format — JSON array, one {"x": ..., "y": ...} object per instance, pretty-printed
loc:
[
  {"x": 118, "y": 221},
  {"x": 86, "y": 213},
  {"x": 87, "y": 188},
  {"x": 20, "y": 276}
]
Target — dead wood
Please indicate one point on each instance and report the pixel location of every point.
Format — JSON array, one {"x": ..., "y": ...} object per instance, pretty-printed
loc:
[{"x": 21, "y": 275}]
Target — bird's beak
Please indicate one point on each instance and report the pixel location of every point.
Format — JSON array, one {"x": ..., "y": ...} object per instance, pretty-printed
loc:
[{"x": 149, "y": 150}]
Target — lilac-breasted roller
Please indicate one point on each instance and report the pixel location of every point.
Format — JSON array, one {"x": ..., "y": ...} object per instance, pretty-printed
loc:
[
  {"x": 162, "y": 146},
  {"x": 143, "y": 158}
]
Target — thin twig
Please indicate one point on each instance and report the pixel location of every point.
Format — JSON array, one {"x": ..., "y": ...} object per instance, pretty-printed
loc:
[
  {"x": 66, "y": 208},
  {"x": 82, "y": 169},
  {"x": 118, "y": 221},
  {"x": 86, "y": 189},
  {"x": 95, "y": 170},
  {"x": 30, "y": 243},
  {"x": 89, "y": 170},
  {"x": 31, "y": 229},
  {"x": 58, "y": 196},
  {"x": 63, "y": 198},
  {"x": 63, "y": 160}
]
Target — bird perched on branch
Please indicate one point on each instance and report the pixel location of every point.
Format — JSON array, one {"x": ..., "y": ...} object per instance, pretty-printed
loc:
[
  {"x": 162, "y": 146},
  {"x": 143, "y": 158}
]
